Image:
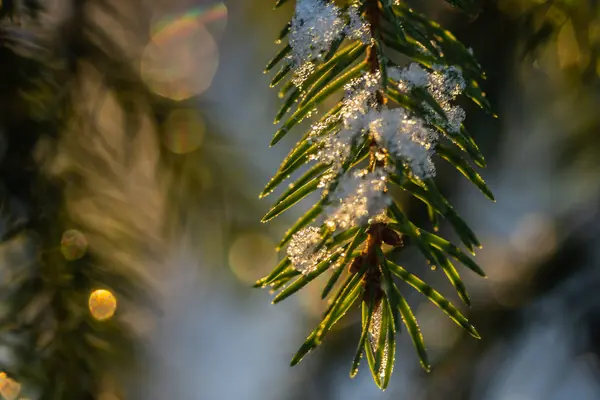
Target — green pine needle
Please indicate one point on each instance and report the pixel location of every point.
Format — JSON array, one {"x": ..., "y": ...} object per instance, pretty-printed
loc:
[{"x": 347, "y": 143}]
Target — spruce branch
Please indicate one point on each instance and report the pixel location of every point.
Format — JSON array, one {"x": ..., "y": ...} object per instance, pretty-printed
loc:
[{"x": 384, "y": 131}]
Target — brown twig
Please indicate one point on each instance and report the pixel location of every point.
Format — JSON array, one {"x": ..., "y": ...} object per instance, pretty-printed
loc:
[{"x": 372, "y": 279}]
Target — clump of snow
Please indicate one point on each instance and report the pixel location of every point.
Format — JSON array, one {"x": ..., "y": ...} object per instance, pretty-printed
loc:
[
  {"x": 357, "y": 106},
  {"x": 407, "y": 138},
  {"x": 444, "y": 83},
  {"x": 360, "y": 100},
  {"x": 358, "y": 197},
  {"x": 315, "y": 25},
  {"x": 410, "y": 77},
  {"x": 302, "y": 73},
  {"x": 303, "y": 252},
  {"x": 396, "y": 131},
  {"x": 357, "y": 28}
]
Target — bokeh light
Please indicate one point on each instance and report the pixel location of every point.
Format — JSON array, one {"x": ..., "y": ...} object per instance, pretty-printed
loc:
[
  {"x": 73, "y": 245},
  {"x": 182, "y": 57},
  {"x": 102, "y": 304},
  {"x": 9, "y": 388},
  {"x": 251, "y": 256},
  {"x": 534, "y": 231},
  {"x": 184, "y": 131}
]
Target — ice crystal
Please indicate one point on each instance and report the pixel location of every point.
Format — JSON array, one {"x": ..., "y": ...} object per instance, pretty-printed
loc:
[
  {"x": 375, "y": 334},
  {"x": 302, "y": 73},
  {"x": 375, "y": 326},
  {"x": 359, "y": 100},
  {"x": 334, "y": 149},
  {"x": 444, "y": 84},
  {"x": 320, "y": 128},
  {"x": 410, "y": 77},
  {"x": 357, "y": 28},
  {"x": 315, "y": 25},
  {"x": 455, "y": 116},
  {"x": 395, "y": 130},
  {"x": 303, "y": 252},
  {"x": 407, "y": 138},
  {"x": 359, "y": 197},
  {"x": 357, "y": 110}
]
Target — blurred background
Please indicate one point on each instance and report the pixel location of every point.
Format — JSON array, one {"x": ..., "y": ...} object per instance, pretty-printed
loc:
[{"x": 143, "y": 126}]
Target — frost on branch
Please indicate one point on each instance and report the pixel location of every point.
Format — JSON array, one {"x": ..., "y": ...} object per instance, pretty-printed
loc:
[
  {"x": 334, "y": 150},
  {"x": 357, "y": 28},
  {"x": 407, "y": 138},
  {"x": 357, "y": 107},
  {"x": 360, "y": 101},
  {"x": 444, "y": 84},
  {"x": 410, "y": 77},
  {"x": 303, "y": 252},
  {"x": 315, "y": 26},
  {"x": 383, "y": 129},
  {"x": 400, "y": 133},
  {"x": 357, "y": 199}
]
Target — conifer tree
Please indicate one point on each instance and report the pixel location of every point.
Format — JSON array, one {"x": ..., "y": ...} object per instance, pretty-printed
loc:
[
  {"x": 76, "y": 252},
  {"x": 62, "y": 294},
  {"x": 387, "y": 125}
]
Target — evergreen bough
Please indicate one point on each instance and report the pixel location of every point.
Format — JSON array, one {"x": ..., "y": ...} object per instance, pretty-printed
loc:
[{"x": 382, "y": 131}]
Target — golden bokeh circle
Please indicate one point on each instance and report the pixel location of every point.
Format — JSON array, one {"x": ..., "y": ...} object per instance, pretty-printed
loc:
[
  {"x": 102, "y": 304},
  {"x": 9, "y": 388},
  {"x": 180, "y": 63},
  {"x": 73, "y": 245}
]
